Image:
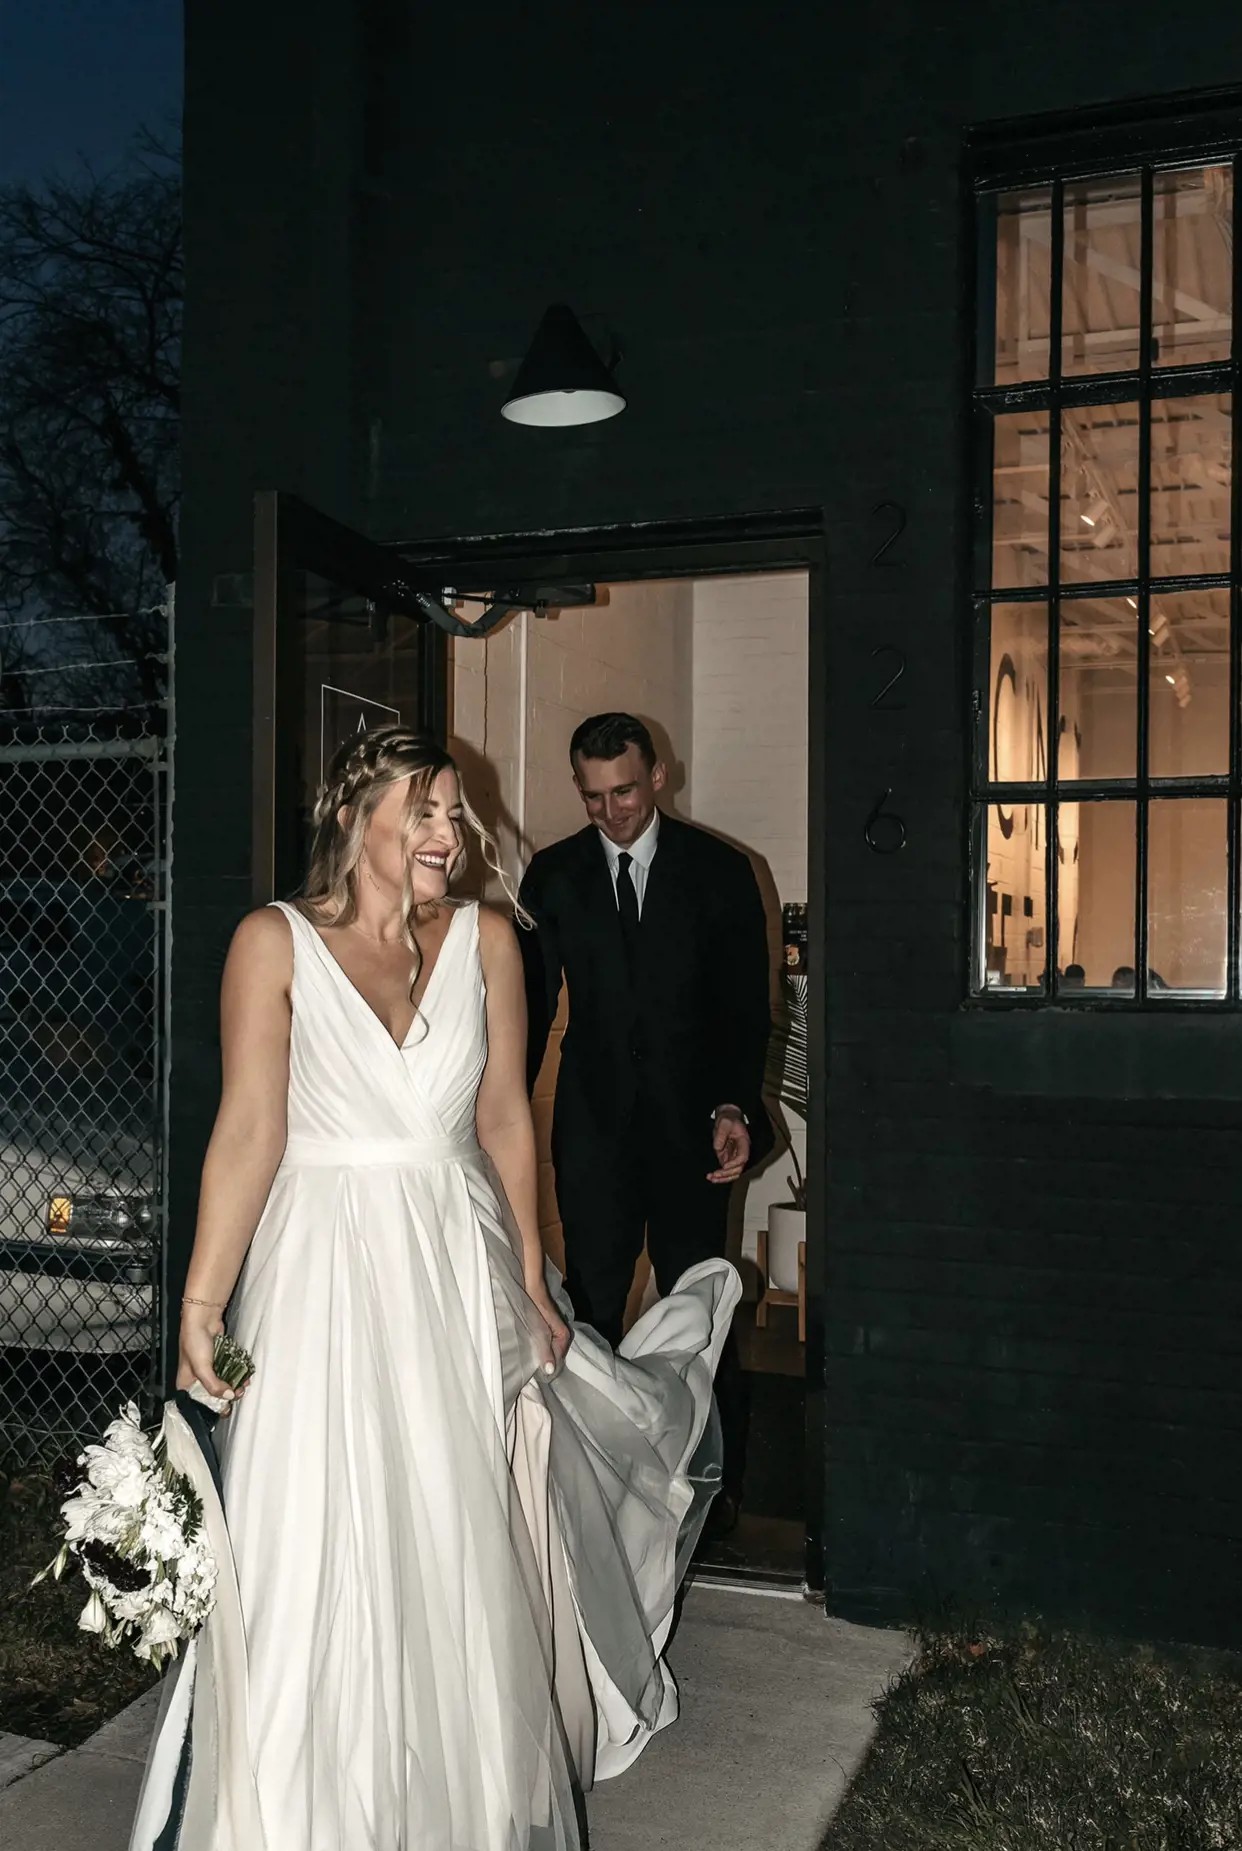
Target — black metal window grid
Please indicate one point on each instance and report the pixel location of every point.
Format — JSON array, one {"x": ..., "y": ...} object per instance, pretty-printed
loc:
[{"x": 1064, "y": 403}]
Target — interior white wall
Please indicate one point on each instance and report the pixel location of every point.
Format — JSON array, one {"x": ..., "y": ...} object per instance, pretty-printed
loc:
[
  {"x": 631, "y": 654},
  {"x": 750, "y": 719},
  {"x": 749, "y": 769}
]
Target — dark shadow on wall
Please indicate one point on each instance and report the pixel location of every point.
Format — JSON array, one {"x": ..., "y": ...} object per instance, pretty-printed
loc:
[
  {"x": 672, "y": 798},
  {"x": 480, "y": 781}
]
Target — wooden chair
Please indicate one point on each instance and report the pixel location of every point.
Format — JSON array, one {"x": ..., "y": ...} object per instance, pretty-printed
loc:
[{"x": 770, "y": 1296}]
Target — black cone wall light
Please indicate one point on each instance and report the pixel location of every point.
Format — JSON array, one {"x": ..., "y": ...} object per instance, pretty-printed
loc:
[{"x": 562, "y": 380}]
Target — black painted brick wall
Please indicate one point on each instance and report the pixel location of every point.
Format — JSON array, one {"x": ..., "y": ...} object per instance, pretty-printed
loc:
[{"x": 1033, "y": 1269}]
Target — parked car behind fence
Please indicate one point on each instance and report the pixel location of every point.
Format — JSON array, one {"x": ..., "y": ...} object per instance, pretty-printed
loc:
[{"x": 79, "y": 1164}]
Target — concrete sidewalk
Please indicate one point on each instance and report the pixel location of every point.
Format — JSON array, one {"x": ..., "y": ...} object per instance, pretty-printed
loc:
[
  {"x": 776, "y": 1716},
  {"x": 20, "y": 1755}
]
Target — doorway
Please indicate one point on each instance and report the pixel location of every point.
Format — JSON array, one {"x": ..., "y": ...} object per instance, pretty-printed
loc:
[
  {"x": 714, "y": 636},
  {"x": 717, "y": 667}
]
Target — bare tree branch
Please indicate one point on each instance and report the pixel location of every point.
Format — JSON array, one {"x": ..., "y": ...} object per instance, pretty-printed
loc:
[{"x": 91, "y": 286}]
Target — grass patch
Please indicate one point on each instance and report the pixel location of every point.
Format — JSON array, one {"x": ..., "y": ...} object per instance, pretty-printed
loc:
[
  {"x": 1038, "y": 1740},
  {"x": 56, "y": 1683}
]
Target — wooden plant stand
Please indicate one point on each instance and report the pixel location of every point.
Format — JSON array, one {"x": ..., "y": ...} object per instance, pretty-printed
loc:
[{"x": 770, "y": 1296}]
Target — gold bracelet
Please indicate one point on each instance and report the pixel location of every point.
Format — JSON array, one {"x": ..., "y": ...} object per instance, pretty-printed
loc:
[{"x": 211, "y": 1304}]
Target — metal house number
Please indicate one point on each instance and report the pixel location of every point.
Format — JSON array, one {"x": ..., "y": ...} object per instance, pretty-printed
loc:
[
  {"x": 884, "y": 831},
  {"x": 879, "y": 703},
  {"x": 897, "y": 525}
]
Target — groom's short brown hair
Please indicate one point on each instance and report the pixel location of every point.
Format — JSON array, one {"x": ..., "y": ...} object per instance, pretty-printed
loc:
[{"x": 607, "y": 735}]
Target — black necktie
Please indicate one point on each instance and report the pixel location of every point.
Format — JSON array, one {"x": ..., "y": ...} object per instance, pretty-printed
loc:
[{"x": 627, "y": 905}]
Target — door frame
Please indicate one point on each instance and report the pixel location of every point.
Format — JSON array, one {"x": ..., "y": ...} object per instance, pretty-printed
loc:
[
  {"x": 290, "y": 537},
  {"x": 771, "y": 542}
]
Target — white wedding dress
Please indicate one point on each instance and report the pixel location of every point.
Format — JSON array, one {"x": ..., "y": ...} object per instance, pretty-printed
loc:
[{"x": 447, "y": 1579}]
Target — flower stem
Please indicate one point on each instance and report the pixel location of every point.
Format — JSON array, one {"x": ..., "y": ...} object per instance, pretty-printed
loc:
[{"x": 231, "y": 1363}]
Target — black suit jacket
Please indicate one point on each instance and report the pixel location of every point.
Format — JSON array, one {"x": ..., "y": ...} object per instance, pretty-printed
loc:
[{"x": 689, "y": 1031}]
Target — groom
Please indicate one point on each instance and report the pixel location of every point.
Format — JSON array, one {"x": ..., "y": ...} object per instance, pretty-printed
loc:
[{"x": 658, "y": 930}]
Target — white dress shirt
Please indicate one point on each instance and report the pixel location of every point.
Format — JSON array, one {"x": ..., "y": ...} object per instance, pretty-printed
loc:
[{"x": 641, "y": 853}]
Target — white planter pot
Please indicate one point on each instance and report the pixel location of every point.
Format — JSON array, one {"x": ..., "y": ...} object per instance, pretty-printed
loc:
[{"x": 786, "y": 1227}]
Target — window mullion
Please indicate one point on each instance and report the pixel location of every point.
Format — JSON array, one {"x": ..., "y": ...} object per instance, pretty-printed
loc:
[
  {"x": 1052, "y": 808},
  {"x": 1233, "y": 807},
  {"x": 1143, "y": 653}
]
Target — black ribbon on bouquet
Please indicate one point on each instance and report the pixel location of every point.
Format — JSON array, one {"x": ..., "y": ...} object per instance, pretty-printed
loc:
[{"x": 201, "y": 1422}]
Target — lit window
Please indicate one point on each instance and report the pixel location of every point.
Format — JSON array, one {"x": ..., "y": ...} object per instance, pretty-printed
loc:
[{"x": 1106, "y": 767}]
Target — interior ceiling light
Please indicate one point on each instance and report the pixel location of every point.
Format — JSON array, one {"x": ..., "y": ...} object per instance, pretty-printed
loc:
[
  {"x": 562, "y": 381},
  {"x": 1179, "y": 681},
  {"x": 1095, "y": 514}
]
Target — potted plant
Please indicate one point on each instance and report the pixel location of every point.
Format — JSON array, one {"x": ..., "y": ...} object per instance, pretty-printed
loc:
[{"x": 788, "y": 1085}]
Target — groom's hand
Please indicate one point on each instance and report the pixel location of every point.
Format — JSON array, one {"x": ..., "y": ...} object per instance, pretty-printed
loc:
[{"x": 731, "y": 1141}]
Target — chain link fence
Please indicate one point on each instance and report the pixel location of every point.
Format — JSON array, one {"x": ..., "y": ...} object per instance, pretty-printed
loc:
[{"x": 85, "y": 805}]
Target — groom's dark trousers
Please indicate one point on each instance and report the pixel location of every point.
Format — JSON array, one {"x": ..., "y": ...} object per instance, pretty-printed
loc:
[{"x": 654, "y": 1043}]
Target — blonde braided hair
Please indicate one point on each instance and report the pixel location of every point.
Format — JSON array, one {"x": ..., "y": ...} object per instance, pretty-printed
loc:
[{"x": 359, "y": 774}]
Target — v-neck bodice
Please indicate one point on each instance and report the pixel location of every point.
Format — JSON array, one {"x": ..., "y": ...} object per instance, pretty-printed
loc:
[
  {"x": 348, "y": 1078},
  {"x": 427, "y": 990}
]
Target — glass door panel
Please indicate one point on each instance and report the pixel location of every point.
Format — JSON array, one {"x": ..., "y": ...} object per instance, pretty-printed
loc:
[{"x": 342, "y": 644}]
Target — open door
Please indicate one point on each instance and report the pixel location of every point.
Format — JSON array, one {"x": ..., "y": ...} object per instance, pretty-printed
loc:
[{"x": 343, "y": 641}]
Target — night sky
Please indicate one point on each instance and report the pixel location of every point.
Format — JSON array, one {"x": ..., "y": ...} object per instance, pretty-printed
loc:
[{"x": 78, "y": 77}]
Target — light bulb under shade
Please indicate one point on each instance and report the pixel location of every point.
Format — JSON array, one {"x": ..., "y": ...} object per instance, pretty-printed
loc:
[
  {"x": 553, "y": 409},
  {"x": 562, "y": 381}
]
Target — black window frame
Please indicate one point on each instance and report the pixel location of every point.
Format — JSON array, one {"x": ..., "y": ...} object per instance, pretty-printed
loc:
[{"x": 1058, "y": 153}]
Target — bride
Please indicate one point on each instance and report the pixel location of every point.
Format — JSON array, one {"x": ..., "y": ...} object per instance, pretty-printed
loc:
[{"x": 456, "y": 1524}]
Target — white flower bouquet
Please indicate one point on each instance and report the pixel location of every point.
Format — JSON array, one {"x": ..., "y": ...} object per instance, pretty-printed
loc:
[{"x": 133, "y": 1526}]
